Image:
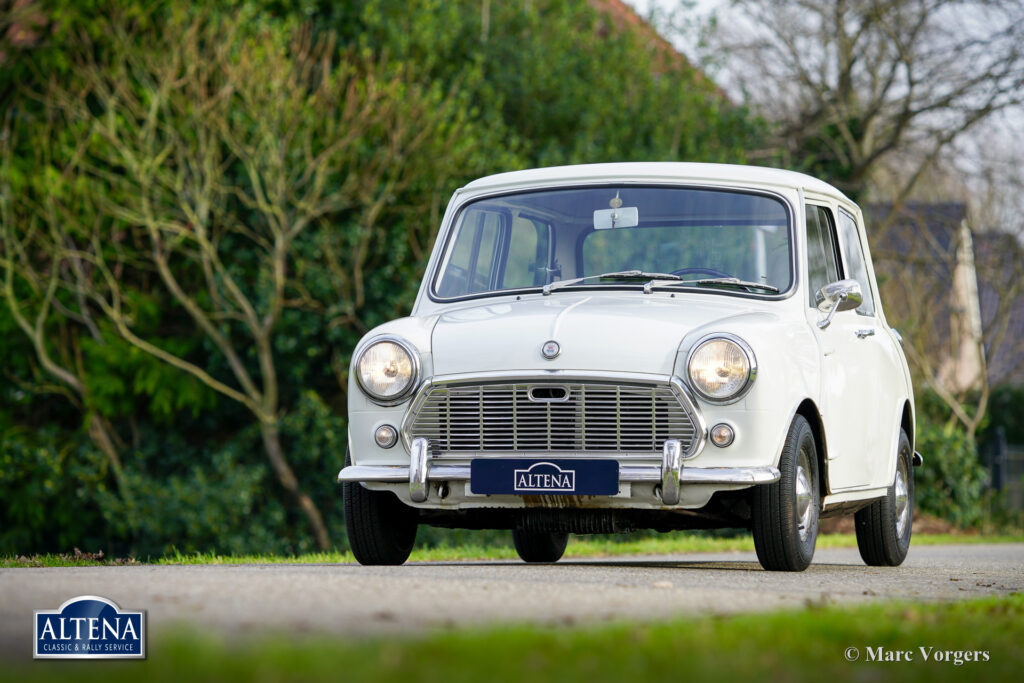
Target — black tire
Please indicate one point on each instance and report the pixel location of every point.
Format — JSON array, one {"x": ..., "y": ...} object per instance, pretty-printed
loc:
[
  {"x": 883, "y": 538},
  {"x": 539, "y": 546},
  {"x": 381, "y": 528},
  {"x": 783, "y": 537}
]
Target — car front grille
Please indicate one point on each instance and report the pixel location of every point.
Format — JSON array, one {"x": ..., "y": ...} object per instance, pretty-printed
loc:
[{"x": 580, "y": 417}]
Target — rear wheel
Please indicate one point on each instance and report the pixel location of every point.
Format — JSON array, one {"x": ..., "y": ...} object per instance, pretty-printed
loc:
[
  {"x": 539, "y": 546},
  {"x": 785, "y": 514},
  {"x": 381, "y": 528},
  {"x": 884, "y": 527}
]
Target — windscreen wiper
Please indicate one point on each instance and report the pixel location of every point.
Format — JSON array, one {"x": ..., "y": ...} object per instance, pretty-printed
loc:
[
  {"x": 715, "y": 281},
  {"x": 621, "y": 275},
  {"x": 709, "y": 282}
]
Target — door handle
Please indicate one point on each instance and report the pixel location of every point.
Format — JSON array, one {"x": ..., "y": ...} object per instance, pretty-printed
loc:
[{"x": 869, "y": 332}]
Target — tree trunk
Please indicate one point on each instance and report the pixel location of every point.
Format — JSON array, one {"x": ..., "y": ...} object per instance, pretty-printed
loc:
[
  {"x": 101, "y": 438},
  {"x": 272, "y": 446}
]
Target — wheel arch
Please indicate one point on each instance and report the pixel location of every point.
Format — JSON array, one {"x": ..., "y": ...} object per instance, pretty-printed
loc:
[
  {"x": 907, "y": 423},
  {"x": 809, "y": 411}
]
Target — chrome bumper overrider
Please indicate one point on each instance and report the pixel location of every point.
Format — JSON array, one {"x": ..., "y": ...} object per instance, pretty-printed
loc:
[{"x": 670, "y": 474}]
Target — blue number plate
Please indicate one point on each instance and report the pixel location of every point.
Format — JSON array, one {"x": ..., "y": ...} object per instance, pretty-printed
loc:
[{"x": 545, "y": 477}]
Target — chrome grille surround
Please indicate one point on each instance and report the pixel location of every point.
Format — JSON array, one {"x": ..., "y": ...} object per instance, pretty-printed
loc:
[{"x": 621, "y": 414}]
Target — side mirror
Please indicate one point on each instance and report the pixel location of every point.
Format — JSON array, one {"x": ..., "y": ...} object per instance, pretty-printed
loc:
[{"x": 834, "y": 297}]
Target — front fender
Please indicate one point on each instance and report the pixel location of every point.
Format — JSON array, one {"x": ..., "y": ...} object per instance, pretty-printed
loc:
[
  {"x": 365, "y": 416},
  {"x": 788, "y": 367}
]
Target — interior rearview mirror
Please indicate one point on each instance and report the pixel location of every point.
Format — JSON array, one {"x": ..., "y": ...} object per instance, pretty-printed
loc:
[
  {"x": 842, "y": 295},
  {"x": 622, "y": 217}
]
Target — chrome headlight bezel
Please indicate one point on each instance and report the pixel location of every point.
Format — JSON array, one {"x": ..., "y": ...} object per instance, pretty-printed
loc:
[
  {"x": 414, "y": 377},
  {"x": 744, "y": 347}
]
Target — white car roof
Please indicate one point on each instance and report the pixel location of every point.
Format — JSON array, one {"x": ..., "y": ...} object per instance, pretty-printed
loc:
[{"x": 715, "y": 174}]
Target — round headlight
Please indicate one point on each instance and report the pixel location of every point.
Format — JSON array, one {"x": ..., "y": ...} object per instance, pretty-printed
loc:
[
  {"x": 721, "y": 369},
  {"x": 386, "y": 370}
]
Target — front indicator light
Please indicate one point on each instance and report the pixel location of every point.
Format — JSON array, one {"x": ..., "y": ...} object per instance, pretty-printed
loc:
[
  {"x": 385, "y": 436},
  {"x": 722, "y": 435}
]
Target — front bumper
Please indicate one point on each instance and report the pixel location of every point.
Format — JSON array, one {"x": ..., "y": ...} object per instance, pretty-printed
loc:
[{"x": 670, "y": 475}]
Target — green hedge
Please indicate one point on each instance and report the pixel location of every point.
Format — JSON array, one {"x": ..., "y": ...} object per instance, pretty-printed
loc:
[
  {"x": 550, "y": 82},
  {"x": 952, "y": 484}
]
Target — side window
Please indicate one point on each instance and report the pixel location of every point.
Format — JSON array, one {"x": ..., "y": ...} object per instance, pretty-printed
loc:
[
  {"x": 472, "y": 260},
  {"x": 821, "y": 250},
  {"x": 853, "y": 257},
  {"x": 527, "y": 254}
]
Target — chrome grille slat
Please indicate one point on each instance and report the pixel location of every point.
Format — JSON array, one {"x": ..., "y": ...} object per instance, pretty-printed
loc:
[{"x": 595, "y": 417}]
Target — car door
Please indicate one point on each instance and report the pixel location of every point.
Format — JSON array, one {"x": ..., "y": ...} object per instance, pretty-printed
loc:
[
  {"x": 848, "y": 369},
  {"x": 881, "y": 371}
]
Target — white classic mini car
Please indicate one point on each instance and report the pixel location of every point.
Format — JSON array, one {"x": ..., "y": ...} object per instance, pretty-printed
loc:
[{"x": 613, "y": 347}]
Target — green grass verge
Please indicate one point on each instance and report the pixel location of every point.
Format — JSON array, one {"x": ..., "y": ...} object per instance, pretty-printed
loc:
[
  {"x": 807, "y": 645},
  {"x": 578, "y": 548}
]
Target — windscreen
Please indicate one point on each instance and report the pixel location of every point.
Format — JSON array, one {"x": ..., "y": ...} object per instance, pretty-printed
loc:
[{"x": 527, "y": 240}]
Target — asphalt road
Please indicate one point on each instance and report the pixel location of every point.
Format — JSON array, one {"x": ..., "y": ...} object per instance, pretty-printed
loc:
[{"x": 359, "y": 601}]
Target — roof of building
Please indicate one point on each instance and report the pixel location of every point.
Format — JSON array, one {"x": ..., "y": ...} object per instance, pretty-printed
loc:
[
  {"x": 922, "y": 237},
  {"x": 916, "y": 224}
]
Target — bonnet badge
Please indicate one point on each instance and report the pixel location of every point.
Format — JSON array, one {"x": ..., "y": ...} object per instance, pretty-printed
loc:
[{"x": 550, "y": 349}]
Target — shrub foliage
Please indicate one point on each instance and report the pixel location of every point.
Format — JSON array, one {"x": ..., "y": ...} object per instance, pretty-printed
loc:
[{"x": 203, "y": 208}]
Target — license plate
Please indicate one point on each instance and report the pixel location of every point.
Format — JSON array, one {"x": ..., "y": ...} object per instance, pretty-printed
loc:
[{"x": 534, "y": 477}]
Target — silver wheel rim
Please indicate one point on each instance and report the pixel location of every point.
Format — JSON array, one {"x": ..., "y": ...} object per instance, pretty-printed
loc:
[
  {"x": 804, "y": 496},
  {"x": 901, "y": 498}
]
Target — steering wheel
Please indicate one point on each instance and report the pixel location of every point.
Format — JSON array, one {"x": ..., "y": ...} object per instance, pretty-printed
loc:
[{"x": 709, "y": 271}]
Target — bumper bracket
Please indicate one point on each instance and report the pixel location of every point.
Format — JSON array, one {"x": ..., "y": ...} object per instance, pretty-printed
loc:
[
  {"x": 671, "y": 471},
  {"x": 419, "y": 470}
]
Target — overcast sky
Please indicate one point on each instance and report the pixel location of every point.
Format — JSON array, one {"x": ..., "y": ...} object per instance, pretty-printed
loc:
[
  {"x": 701, "y": 8},
  {"x": 1007, "y": 126}
]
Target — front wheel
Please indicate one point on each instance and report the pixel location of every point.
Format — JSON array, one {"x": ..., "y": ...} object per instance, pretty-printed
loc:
[
  {"x": 883, "y": 528},
  {"x": 785, "y": 514},
  {"x": 381, "y": 528},
  {"x": 539, "y": 546}
]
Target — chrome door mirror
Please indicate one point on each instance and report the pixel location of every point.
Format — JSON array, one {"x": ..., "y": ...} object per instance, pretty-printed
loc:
[{"x": 834, "y": 297}]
